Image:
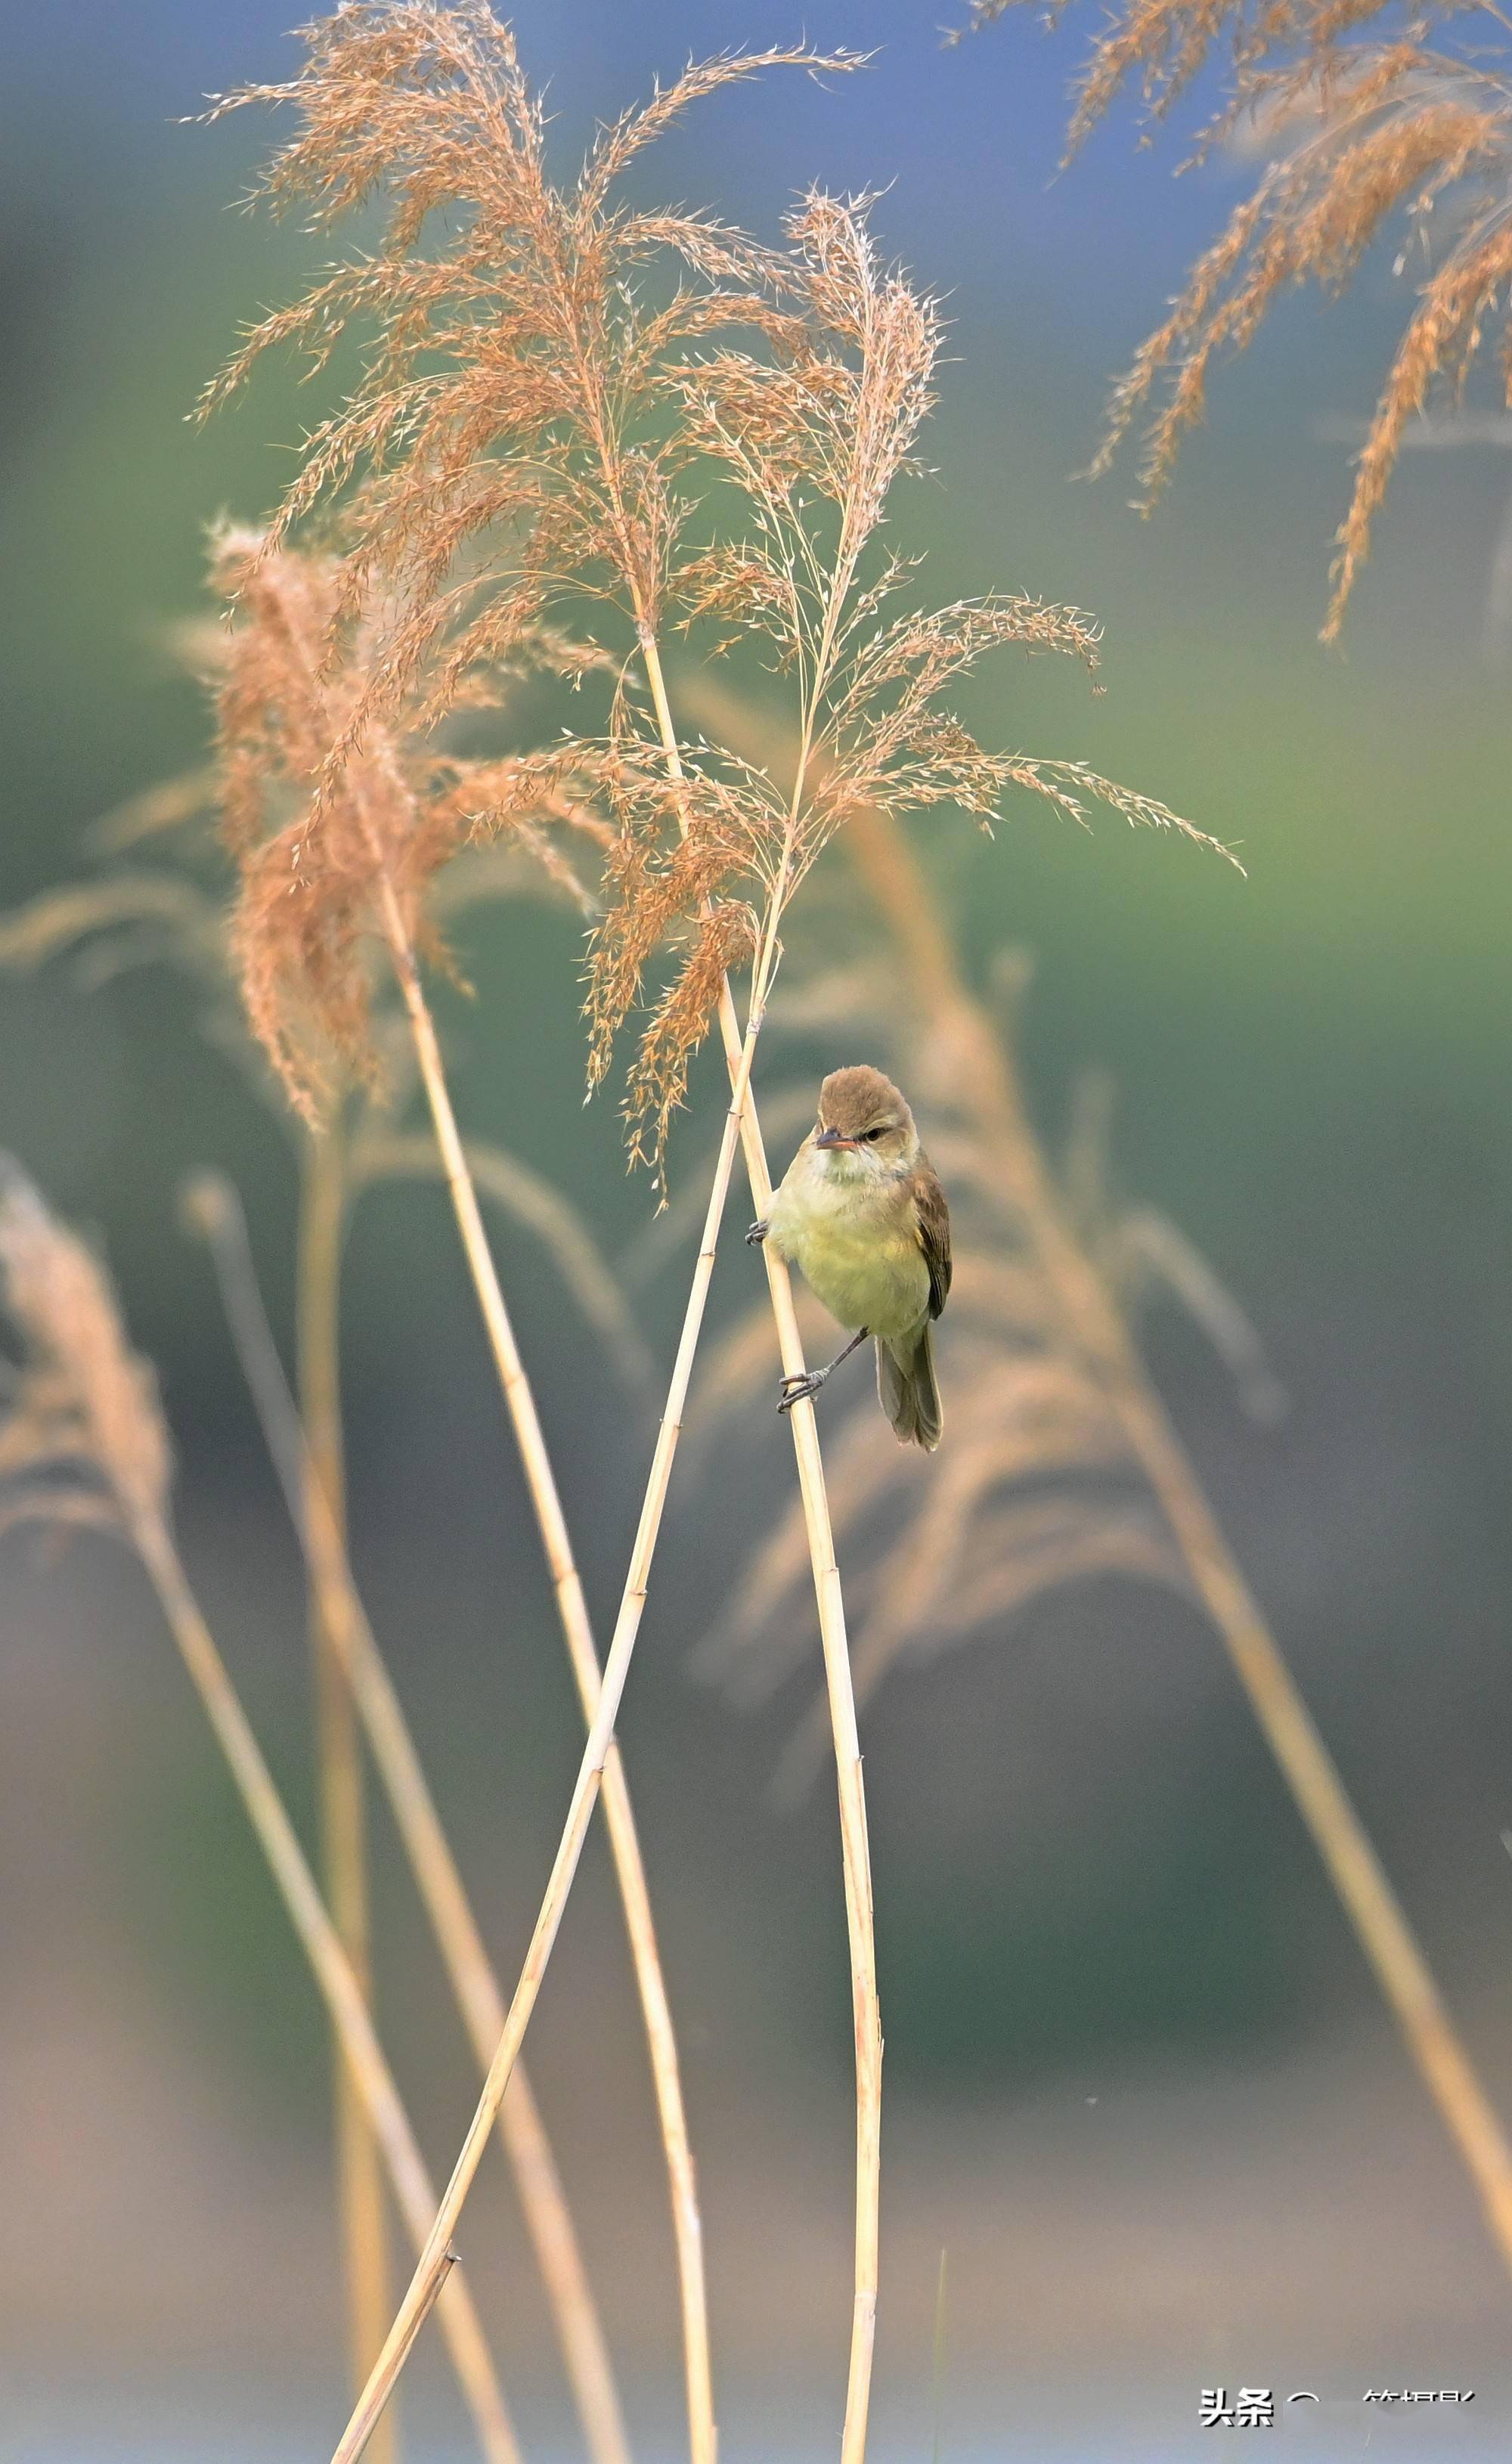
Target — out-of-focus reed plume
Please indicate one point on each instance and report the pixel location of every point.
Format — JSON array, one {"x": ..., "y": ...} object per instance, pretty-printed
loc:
[
  {"x": 83, "y": 1442},
  {"x": 1068, "y": 1406},
  {"x": 83, "y": 1433},
  {"x": 1092, "y": 1330},
  {"x": 1370, "y": 127}
]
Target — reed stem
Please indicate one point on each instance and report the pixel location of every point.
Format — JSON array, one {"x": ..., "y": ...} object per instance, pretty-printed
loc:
[
  {"x": 366, "y": 1680},
  {"x": 343, "y": 1824},
  {"x": 573, "y": 1613},
  {"x": 591, "y": 1777},
  {"x": 1094, "y": 1326},
  {"x": 854, "y": 1850},
  {"x": 840, "y": 1692},
  {"x": 334, "y": 1974}
]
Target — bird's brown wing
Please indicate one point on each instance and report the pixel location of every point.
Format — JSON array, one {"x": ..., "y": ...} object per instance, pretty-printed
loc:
[{"x": 934, "y": 1220}]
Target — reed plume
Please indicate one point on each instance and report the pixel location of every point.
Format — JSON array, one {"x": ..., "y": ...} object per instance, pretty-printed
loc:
[
  {"x": 514, "y": 439},
  {"x": 1369, "y": 127},
  {"x": 83, "y": 1443},
  {"x": 524, "y": 451}
]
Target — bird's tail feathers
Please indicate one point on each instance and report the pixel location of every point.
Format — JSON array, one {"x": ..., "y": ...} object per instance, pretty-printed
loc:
[{"x": 909, "y": 1391}]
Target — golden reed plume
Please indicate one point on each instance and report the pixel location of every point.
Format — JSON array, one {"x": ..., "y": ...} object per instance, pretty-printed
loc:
[{"x": 1368, "y": 127}]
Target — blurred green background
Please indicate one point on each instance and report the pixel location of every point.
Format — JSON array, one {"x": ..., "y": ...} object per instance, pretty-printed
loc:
[{"x": 1140, "y": 2087}]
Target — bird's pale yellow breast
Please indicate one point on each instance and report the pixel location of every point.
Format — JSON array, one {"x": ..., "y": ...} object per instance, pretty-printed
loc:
[{"x": 854, "y": 1243}]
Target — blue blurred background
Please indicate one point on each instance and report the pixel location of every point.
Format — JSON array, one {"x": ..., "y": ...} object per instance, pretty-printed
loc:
[{"x": 1141, "y": 2089}]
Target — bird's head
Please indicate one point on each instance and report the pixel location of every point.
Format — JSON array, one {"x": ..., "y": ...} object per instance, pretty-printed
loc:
[{"x": 865, "y": 1128}]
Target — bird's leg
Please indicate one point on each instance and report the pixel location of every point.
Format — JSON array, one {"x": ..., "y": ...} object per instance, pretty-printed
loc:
[
  {"x": 799, "y": 1389},
  {"x": 756, "y": 1234}
]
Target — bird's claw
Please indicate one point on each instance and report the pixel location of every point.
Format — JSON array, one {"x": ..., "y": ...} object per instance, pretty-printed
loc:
[
  {"x": 755, "y": 1236},
  {"x": 801, "y": 1388}
]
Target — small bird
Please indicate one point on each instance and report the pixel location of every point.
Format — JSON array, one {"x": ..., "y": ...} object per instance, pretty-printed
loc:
[{"x": 862, "y": 1214}]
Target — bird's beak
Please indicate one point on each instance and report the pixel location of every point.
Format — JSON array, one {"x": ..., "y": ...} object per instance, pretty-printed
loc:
[{"x": 833, "y": 1138}]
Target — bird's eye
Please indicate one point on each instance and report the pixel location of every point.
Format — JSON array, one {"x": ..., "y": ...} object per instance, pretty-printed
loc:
[{"x": 871, "y": 1133}]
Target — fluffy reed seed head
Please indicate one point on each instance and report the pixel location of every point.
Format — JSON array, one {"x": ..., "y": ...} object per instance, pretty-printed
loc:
[
  {"x": 545, "y": 427},
  {"x": 314, "y": 844},
  {"x": 200, "y": 874},
  {"x": 514, "y": 438},
  {"x": 339, "y": 819},
  {"x": 1369, "y": 127},
  {"x": 809, "y": 442},
  {"x": 84, "y": 1417}
]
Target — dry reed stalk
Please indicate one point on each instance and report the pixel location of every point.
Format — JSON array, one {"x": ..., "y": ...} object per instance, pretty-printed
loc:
[
  {"x": 86, "y": 1405},
  {"x": 213, "y": 1210},
  {"x": 855, "y": 1852},
  {"x": 343, "y": 1821},
  {"x": 591, "y": 1777},
  {"x": 1095, "y": 1330},
  {"x": 815, "y": 456},
  {"x": 339, "y": 1985},
  {"x": 572, "y": 1609}
]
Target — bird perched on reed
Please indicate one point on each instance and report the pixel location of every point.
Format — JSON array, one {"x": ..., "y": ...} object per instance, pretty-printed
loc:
[{"x": 862, "y": 1214}]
